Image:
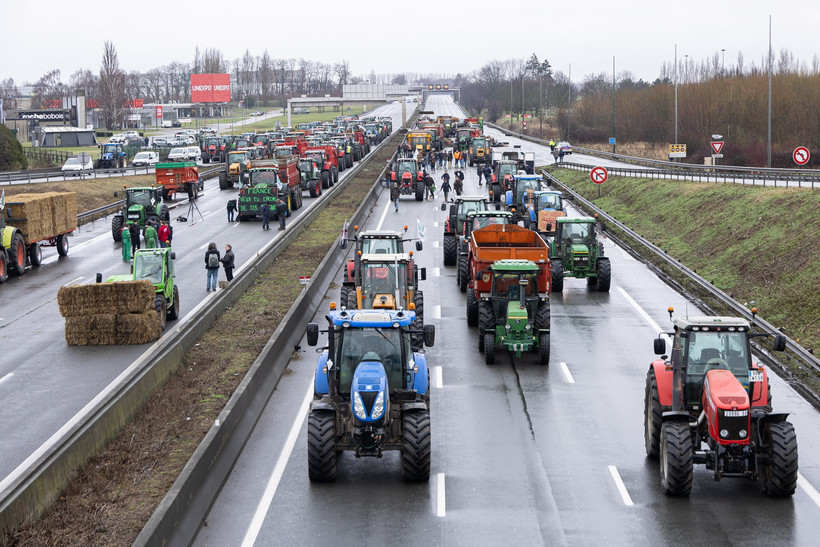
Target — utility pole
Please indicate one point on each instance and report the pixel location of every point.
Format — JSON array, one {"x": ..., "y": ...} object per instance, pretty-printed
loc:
[
  {"x": 613, "y": 104},
  {"x": 511, "y": 102},
  {"x": 569, "y": 96},
  {"x": 769, "y": 147},
  {"x": 676, "y": 95}
]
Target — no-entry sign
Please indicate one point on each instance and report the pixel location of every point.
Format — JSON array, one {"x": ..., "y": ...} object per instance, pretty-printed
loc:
[
  {"x": 598, "y": 175},
  {"x": 801, "y": 155}
]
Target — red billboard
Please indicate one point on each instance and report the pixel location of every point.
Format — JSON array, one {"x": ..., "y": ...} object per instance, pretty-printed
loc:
[{"x": 210, "y": 88}]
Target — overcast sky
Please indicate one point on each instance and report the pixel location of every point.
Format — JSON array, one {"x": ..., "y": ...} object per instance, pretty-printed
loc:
[{"x": 422, "y": 36}]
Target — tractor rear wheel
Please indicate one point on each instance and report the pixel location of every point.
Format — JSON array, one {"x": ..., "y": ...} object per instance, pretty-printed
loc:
[
  {"x": 344, "y": 295},
  {"x": 4, "y": 267},
  {"x": 463, "y": 273},
  {"x": 223, "y": 181},
  {"x": 544, "y": 349},
  {"x": 173, "y": 311},
  {"x": 604, "y": 274},
  {"x": 542, "y": 316},
  {"x": 472, "y": 308},
  {"x": 419, "y": 191},
  {"x": 313, "y": 188},
  {"x": 116, "y": 227},
  {"x": 321, "y": 438},
  {"x": 334, "y": 176},
  {"x": 450, "y": 247},
  {"x": 62, "y": 245},
  {"x": 652, "y": 416},
  {"x": 162, "y": 310},
  {"x": 17, "y": 254},
  {"x": 557, "y": 275},
  {"x": 35, "y": 255},
  {"x": 489, "y": 348},
  {"x": 486, "y": 321},
  {"x": 164, "y": 213},
  {"x": 778, "y": 478},
  {"x": 415, "y": 454},
  {"x": 325, "y": 180},
  {"x": 677, "y": 459}
]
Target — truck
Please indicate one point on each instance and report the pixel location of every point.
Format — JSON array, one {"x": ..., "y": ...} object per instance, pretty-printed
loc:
[
  {"x": 406, "y": 172},
  {"x": 236, "y": 164},
  {"x": 576, "y": 252},
  {"x": 33, "y": 221},
  {"x": 707, "y": 402},
  {"x": 266, "y": 181},
  {"x": 178, "y": 177},
  {"x": 476, "y": 220},
  {"x": 138, "y": 205},
  {"x": 514, "y": 160},
  {"x": 112, "y": 156},
  {"x": 371, "y": 393},
  {"x": 500, "y": 242},
  {"x": 327, "y": 158},
  {"x": 460, "y": 207},
  {"x": 515, "y": 313}
]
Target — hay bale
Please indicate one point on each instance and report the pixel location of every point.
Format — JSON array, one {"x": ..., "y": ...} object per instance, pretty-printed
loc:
[
  {"x": 138, "y": 328},
  {"x": 103, "y": 298},
  {"x": 43, "y": 215},
  {"x": 91, "y": 330}
]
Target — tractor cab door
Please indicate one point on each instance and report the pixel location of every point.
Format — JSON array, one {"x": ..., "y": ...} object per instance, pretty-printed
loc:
[{"x": 707, "y": 350}]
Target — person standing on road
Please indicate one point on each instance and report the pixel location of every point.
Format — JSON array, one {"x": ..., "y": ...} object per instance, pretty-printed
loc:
[
  {"x": 445, "y": 185},
  {"x": 265, "y": 216},
  {"x": 488, "y": 173},
  {"x": 450, "y": 158},
  {"x": 227, "y": 262},
  {"x": 164, "y": 234},
  {"x": 395, "y": 194},
  {"x": 428, "y": 186},
  {"x": 150, "y": 236},
  {"x": 552, "y": 145},
  {"x": 126, "y": 244},
  {"x": 555, "y": 155},
  {"x": 135, "y": 236},
  {"x": 458, "y": 185},
  {"x": 231, "y": 209},
  {"x": 212, "y": 267},
  {"x": 561, "y": 155},
  {"x": 480, "y": 172},
  {"x": 282, "y": 211}
]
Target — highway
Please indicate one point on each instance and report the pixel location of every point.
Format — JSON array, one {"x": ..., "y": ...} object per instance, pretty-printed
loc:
[
  {"x": 521, "y": 453},
  {"x": 43, "y": 381}
]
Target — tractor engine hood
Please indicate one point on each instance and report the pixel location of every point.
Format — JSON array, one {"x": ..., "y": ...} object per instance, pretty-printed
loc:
[
  {"x": 579, "y": 249},
  {"x": 726, "y": 404},
  {"x": 369, "y": 394},
  {"x": 233, "y": 169}
]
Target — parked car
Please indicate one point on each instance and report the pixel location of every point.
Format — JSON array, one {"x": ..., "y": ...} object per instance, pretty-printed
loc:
[
  {"x": 131, "y": 135},
  {"x": 145, "y": 158},
  {"x": 119, "y": 137},
  {"x": 176, "y": 141},
  {"x": 74, "y": 166},
  {"x": 176, "y": 123},
  {"x": 160, "y": 141},
  {"x": 167, "y": 123},
  {"x": 301, "y": 110},
  {"x": 565, "y": 146},
  {"x": 257, "y": 113},
  {"x": 178, "y": 154},
  {"x": 194, "y": 154}
]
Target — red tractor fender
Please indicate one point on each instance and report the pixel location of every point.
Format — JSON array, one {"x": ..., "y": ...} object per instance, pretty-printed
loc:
[
  {"x": 663, "y": 378},
  {"x": 350, "y": 271},
  {"x": 759, "y": 391},
  {"x": 393, "y": 176}
]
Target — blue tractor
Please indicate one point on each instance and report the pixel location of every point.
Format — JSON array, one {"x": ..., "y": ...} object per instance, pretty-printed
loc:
[
  {"x": 371, "y": 392},
  {"x": 112, "y": 156}
]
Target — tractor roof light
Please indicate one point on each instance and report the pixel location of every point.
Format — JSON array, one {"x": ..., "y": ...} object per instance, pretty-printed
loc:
[
  {"x": 332, "y": 306},
  {"x": 411, "y": 306}
]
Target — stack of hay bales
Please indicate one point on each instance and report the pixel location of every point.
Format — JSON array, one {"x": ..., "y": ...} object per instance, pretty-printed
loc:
[
  {"x": 41, "y": 216},
  {"x": 109, "y": 313}
]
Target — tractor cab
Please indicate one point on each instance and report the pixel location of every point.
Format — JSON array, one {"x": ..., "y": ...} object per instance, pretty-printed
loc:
[
  {"x": 156, "y": 266},
  {"x": 463, "y": 206},
  {"x": 386, "y": 281},
  {"x": 520, "y": 187},
  {"x": 481, "y": 219},
  {"x": 142, "y": 203},
  {"x": 542, "y": 209}
]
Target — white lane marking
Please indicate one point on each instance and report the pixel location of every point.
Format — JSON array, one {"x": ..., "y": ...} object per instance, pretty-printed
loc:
[
  {"x": 441, "y": 509},
  {"x": 437, "y": 312},
  {"x": 205, "y": 246},
  {"x": 642, "y": 313},
  {"x": 435, "y": 244},
  {"x": 384, "y": 213},
  {"x": 803, "y": 483},
  {"x": 621, "y": 486},
  {"x": 75, "y": 280},
  {"x": 436, "y": 224},
  {"x": 438, "y": 378},
  {"x": 7, "y": 376},
  {"x": 273, "y": 483},
  {"x": 437, "y": 272},
  {"x": 567, "y": 373}
]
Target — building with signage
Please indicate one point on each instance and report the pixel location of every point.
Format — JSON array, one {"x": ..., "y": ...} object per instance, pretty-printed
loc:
[{"x": 58, "y": 136}]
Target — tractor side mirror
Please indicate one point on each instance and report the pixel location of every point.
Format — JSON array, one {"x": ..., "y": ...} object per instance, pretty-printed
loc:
[
  {"x": 424, "y": 274},
  {"x": 173, "y": 255},
  {"x": 343, "y": 244},
  {"x": 429, "y": 335},
  {"x": 443, "y": 206},
  {"x": 312, "y": 334},
  {"x": 99, "y": 277},
  {"x": 660, "y": 346},
  {"x": 779, "y": 342},
  {"x": 549, "y": 227},
  {"x": 419, "y": 245},
  {"x": 603, "y": 226}
]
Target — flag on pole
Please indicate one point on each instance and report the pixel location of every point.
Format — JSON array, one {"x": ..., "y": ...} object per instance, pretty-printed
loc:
[
  {"x": 3, "y": 200},
  {"x": 344, "y": 231},
  {"x": 420, "y": 228}
]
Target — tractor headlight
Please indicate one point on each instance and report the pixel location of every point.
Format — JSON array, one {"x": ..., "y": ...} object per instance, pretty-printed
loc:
[
  {"x": 378, "y": 407},
  {"x": 508, "y": 326},
  {"x": 724, "y": 433},
  {"x": 358, "y": 407},
  {"x": 742, "y": 433},
  {"x": 528, "y": 327}
]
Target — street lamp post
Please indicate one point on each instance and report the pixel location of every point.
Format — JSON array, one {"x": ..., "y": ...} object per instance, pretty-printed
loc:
[
  {"x": 723, "y": 62},
  {"x": 676, "y": 94},
  {"x": 511, "y": 101},
  {"x": 613, "y": 104}
]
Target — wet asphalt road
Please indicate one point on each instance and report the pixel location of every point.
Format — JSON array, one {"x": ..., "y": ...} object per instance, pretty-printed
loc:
[{"x": 521, "y": 453}]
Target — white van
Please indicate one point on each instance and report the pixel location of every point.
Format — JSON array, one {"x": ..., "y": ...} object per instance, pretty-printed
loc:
[
  {"x": 194, "y": 154},
  {"x": 301, "y": 110},
  {"x": 145, "y": 158},
  {"x": 178, "y": 154}
]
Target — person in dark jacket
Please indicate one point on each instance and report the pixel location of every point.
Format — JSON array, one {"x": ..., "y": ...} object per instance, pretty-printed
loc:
[
  {"x": 445, "y": 186},
  {"x": 231, "y": 209},
  {"x": 395, "y": 194},
  {"x": 227, "y": 262},
  {"x": 135, "y": 236},
  {"x": 488, "y": 173},
  {"x": 212, "y": 267},
  {"x": 265, "y": 216},
  {"x": 282, "y": 212}
]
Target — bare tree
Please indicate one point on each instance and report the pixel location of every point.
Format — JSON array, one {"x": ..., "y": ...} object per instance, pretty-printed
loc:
[
  {"x": 342, "y": 71},
  {"x": 267, "y": 77},
  {"x": 9, "y": 92},
  {"x": 111, "y": 97},
  {"x": 213, "y": 62},
  {"x": 48, "y": 88}
]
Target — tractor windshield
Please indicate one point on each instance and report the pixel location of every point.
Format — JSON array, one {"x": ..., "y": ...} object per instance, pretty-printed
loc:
[
  {"x": 705, "y": 350},
  {"x": 465, "y": 207},
  {"x": 388, "y": 343},
  {"x": 525, "y": 188},
  {"x": 305, "y": 165},
  {"x": 264, "y": 178},
  {"x": 380, "y": 282},
  {"x": 149, "y": 266},
  {"x": 236, "y": 157},
  {"x": 388, "y": 245},
  {"x": 143, "y": 198},
  {"x": 506, "y": 285},
  {"x": 577, "y": 232},
  {"x": 549, "y": 201},
  {"x": 110, "y": 148},
  {"x": 482, "y": 221}
]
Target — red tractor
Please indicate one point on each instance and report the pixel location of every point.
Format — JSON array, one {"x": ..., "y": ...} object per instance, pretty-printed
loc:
[
  {"x": 406, "y": 172},
  {"x": 213, "y": 149},
  {"x": 709, "y": 403},
  {"x": 327, "y": 158}
]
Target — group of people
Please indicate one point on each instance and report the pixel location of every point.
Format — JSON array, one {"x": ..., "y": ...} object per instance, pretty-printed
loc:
[
  {"x": 485, "y": 170},
  {"x": 557, "y": 153},
  {"x": 281, "y": 210},
  {"x": 157, "y": 235},
  {"x": 430, "y": 186},
  {"x": 212, "y": 262}
]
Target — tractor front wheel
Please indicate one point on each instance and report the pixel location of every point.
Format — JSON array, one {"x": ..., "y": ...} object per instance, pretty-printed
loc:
[
  {"x": 557, "y": 275},
  {"x": 17, "y": 254},
  {"x": 652, "y": 416},
  {"x": 415, "y": 454},
  {"x": 486, "y": 321},
  {"x": 489, "y": 348},
  {"x": 472, "y": 308},
  {"x": 463, "y": 273},
  {"x": 778, "y": 478},
  {"x": 313, "y": 188},
  {"x": 223, "y": 181},
  {"x": 419, "y": 191},
  {"x": 544, "y": 349},
  {"x": 173, "y": 311},
  {"x": 164, "y": 213},
  {"x": 677, "y": 459},
  {"x": 604, "y": 274},
  {"x": 161, "y": 308},
  {"x": 542, "y": 315},
  {"x": 344, "y": 295},
  {"x": 418, "y": 322},
  {"x": 450, "y": 247},
  {"x": 321, "y": 438},
  {"x": 325, "y": 180},
  {"x": 4, "y": 267},
  {"x": 116, "y": 227}
]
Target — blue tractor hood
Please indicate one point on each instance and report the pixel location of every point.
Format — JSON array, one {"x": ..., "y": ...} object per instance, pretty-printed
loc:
[{"x": 370, "y": 387}]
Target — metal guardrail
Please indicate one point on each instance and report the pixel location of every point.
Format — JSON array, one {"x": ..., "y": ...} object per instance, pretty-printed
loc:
[{"x": 802, "y": 353}]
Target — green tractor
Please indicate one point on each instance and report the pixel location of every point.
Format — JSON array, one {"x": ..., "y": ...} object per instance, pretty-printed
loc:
[
  {"x": 516, "y": 313},
  {"x": 112, "y": 156},
  {"x": 576, "y": 252},
  {"x": 139, "y": 205},
  {"x": 157, "y": 266},
  {"x": 310, "y": 176}
]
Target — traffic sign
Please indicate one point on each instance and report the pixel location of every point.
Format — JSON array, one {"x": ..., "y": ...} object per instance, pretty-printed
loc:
[
  {"x": 801, "y": 155},
  {"x": 717, "y": 146},
  {"x": 159, "y": 111},
  {"x": 83, "y": 157},
  {"x": 525, "y": 123},
  {"x": 598, "y": 175},
  {"x": 304, "y": 280},
  {"x": 611, "y": 140},
  {"x": 677, "y": 150}
]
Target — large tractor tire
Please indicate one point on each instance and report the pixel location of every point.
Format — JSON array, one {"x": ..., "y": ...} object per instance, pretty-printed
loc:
[
  {"x": 321, "y": 439},
  {"x": 542, "y": 316},
  {"x": 164, "y": 213},
  {"x": 349, "y": 160},
  {"x": 325, "y": 180},
  {"x": 334, "y": 176},
  {"x": 489, "y": 348},
  {"x": 62, "y": 245},
  {"x": 544, "y": 349},
  {"x": 778, "y": 478},
  {"x": 472, "y": 308},
  {"x": 173, "y": 311},
  {"x": 677, "y": 459},
  {"x": 4, "y": 267},
  {"x": 450, "y": 247},
  {"x": 35, "y": 255},
  {"x": 463, "y": 276},
  {"x": 557, "y": 275},
  {"x": 313, "y": 188},
  {"x": 604, "y": 274},
  {"x": 161, "y": 307},
  {"x": 486, "y": 321},
  {"x": 419, "y": 191},
  {"x": 116, "y": 227},
  {"x": 344, "y": 294},
  {"x": 17, "y": 255},
  {"x": 418, "y": 322},
  {"x": 223, "y": 181},
  {"x": 652, "y": 416},
  {"x": 415, "y": 454}
]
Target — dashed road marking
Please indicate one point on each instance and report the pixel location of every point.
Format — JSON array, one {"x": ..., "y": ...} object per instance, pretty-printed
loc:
[
  {"x": 621, "y": 486},
  {"x": 437, "y": 312},
  {"x": 807, "y": 487},
  {"x": 75, "y": 280},
  {"x": 437, "y": 272},
  {"x": 567, "y": 373},
  {"x": 438, "y": 378},
  {"x": 435, "y": 244},
  {"x": 643, "y": 313},
  {"x": 441, "y": 509},
  {"x": 10, "y": 374}
]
